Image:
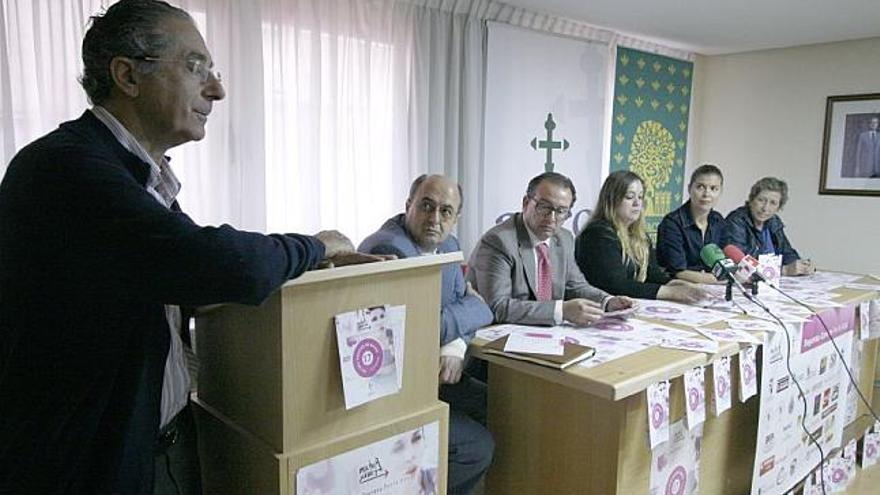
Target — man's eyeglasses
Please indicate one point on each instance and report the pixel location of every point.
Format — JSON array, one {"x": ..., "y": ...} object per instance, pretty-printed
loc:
[
  {"x": 545, "y": 209},
  {"x": 447, "y": 212},
  {"x": 197, "y": 67}
]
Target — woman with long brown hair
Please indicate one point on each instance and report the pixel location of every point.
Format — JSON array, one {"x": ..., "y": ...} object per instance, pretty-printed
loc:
[{"x": 614, "y": 251}]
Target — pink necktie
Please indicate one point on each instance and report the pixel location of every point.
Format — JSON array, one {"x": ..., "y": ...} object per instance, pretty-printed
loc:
[{"x": 545, "y": 274}]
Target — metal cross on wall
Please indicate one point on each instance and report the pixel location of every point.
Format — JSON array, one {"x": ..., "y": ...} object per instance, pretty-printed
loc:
[{"x": 549, "y": 144}]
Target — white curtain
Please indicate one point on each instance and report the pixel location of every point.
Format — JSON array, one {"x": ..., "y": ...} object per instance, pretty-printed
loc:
[
  {"x": 39, "y": 63},
  {"x": 332, "y": 108}
]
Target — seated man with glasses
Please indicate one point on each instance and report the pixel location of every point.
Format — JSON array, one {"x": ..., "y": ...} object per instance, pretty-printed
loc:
[
  {"x": 524, "y": 267},
  {"x": 432, "y": 209}
]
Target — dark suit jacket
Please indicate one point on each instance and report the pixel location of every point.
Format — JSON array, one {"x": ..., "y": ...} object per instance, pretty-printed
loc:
[
  {"x": 740, "y": 231},
  {"x": 502, "y": 269},
  {"x": 461, "y": 315},
  {"x": 598, "y": 253},
  {"x": 87, "y": 260}
]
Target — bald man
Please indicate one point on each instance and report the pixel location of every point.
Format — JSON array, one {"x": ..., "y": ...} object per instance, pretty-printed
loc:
[{"x": 432, "y": 209}]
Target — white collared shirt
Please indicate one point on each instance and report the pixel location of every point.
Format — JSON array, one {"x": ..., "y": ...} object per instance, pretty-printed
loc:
[{"x": 163, "y": 185}]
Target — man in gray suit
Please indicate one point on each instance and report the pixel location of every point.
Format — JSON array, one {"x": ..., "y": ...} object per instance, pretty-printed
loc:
[
  {"x": 868, "y": 151},
  {"x": 524, "y": 267}
]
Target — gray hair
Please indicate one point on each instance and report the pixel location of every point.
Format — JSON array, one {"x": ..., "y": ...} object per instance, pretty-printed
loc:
[
  {"x": 129, "y": 28},
  {"x": 770, "y": 184}
]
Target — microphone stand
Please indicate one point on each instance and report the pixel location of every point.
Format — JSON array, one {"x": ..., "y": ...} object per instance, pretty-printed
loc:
[{"x": 755, "y": 281}]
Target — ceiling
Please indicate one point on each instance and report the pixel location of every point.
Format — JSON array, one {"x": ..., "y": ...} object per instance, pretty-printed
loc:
[{"x": 714, "y": 27}]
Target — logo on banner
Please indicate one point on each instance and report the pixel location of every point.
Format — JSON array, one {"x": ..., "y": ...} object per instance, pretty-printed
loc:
[
  {"x": 367, "y": 357},
  {"x": 549, "y": 144},
  {"x": 662, "y": 310},
  {"x": 722, "y": 386},
  {"x": 658, "y": 415},
  {"x": 677, "y": 481},
  {"x": 613, "y": 325},
  {"x": 694, "y": 397},
  {"x": 748, "y": 373}
]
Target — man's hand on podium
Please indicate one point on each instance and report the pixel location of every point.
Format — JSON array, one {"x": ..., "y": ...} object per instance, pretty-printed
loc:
[
  {"x": 450, "y": 369},
  {"x": 334, "y": 243},
  {"x": 339, "y": 251},
  {"x": 343, "y": 259}
]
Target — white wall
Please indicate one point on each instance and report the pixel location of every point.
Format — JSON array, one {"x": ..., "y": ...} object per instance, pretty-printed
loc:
[{"x": 763, "y": 113}]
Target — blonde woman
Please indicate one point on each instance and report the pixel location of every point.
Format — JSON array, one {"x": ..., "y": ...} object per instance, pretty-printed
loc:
[{"x": 615, "y": 253}]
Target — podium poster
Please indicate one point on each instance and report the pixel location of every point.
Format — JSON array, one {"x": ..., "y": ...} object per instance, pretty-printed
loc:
[
  {"x": 675, "y": 465},
  {"x": 371, "y": 347},
  {"x": 403, "y": 464},
  {"x": 784, "y": 453}
]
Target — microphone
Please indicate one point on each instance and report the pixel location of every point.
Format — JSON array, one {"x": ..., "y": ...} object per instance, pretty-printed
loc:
[
  {"x": 722, "y": 267},
  {"x": 748, "y": 268}
]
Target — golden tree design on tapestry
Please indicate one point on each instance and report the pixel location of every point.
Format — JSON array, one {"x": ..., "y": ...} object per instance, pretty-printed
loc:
[{"x": 652, "y": 156}]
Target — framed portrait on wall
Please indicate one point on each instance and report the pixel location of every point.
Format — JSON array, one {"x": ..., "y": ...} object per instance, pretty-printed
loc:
[{"x": 851, "y": 146}]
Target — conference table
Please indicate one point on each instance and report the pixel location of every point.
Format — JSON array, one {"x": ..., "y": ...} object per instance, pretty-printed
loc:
[{"x": 585, "y": 430}]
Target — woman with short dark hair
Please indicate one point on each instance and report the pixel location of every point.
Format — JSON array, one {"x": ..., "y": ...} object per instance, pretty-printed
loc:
[
  {"x": 686, "y": 230},
  {"x": 757, "y": 229}
]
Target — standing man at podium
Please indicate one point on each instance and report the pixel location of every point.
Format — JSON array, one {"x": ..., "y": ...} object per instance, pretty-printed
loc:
[
  {"x": 432, "y": 209},
  {"x": 95, "y": 259}
]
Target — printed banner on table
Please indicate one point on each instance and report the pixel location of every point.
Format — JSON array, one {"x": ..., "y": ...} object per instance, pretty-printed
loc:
[
  {"x": 400, "y": 465},
  {"x": 652, "y": 99},
  {"x": 370, "y": 342},
  {"x": 784, "y": 454}
]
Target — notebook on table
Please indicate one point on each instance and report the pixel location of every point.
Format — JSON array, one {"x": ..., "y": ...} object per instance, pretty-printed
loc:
[{"x": 572, "y": 353}]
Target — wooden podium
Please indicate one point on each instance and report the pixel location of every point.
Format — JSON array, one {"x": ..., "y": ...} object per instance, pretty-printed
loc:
[{"x": 270, "y": 398}]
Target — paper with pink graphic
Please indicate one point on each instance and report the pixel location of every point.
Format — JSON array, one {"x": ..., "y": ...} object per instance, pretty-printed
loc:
[
  {"x": 771, "y": 267},
  {"x": 658, "y": 413},
  {"x": 754, "y": 325},
  {"x": 695, "y": 396},
  {"x": 370, "y": 343},
  {"x": 730, "y": 335},
  {"x": 403, "y": 464},
  {"x": 681, "y": 314},
  {"x": 871, "y": 447},
  {"x": 748, "y": 373},
  {"x": 849, "y": 458},
  {"x": 721, "y": 382},
  {"x": 869, "y": 319},
  {"x": 691, "y": 343},
  {"x": 675, "y": 465}
]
